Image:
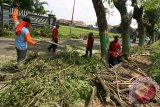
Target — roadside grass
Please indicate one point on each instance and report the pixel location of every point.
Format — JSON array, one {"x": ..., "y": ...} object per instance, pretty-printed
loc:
[{"x": 64, "y": 31}]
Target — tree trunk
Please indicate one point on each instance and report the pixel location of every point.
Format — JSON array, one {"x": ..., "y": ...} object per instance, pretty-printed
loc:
[
  {"x": 158, "y": 35},
  {"x": 141, "y": 33},
  {"x": 138, "y": 15},
  {"x": 152, "y": 35},
  {"x": 151, "y": 38},
  {"x": 125, "y": 24},
  {"x": 125, "y": 39},
  {"x": 102, "y": 25},
  {"x": 126, "y": 44}
]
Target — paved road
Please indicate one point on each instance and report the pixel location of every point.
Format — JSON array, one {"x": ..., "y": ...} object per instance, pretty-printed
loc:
[{"x": 7, "y": 47}]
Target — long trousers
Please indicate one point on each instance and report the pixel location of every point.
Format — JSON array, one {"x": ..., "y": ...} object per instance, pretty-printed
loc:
[
  {"x": 90, "y": 50},
  {"x": 21, "y": 56},
  {"x": 53, "y": 46}
]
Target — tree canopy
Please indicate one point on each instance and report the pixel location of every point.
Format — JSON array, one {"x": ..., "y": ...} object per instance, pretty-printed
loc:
[{"x": 30, "y": 5}]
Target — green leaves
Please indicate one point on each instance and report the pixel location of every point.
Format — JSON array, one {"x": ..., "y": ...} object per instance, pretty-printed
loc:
[
  {"x": 61, "y": 78},
  {"x": 151, "y": 4},
  {"x": 30, "y": 5},
  {"x": 155, "y": 69}
]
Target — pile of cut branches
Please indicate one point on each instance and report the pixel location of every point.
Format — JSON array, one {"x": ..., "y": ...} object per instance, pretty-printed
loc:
[
  {"x": 69, "y": 80},
  {"x": 113, "y": 86},
  {"x": 46, "y": 81}
]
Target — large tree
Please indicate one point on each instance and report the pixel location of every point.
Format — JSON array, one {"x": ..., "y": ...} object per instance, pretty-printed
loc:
[
  {"x": 30, "y": 5},
  {"x": 152, "y": 14},
  {"x": 151, "y": 10},
  {"x": 102, "y": 25},
  {"x": 138, "y": 15},
  {"x": 153, "y": 17},
  {"x": 125, "y": 24},
  {"x": 38, "y": 6}
]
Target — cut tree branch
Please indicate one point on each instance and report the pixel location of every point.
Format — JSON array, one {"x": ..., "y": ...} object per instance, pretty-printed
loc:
[
  {"x": 90, "y": 103},
  {"x": 105, "y": 88}
]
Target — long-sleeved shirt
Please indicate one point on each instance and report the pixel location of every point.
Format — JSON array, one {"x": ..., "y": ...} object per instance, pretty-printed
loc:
[
  {"x": 90, "y": 42},
  {"x": 114, "y": 47},
  {"x": 55, "y": 34},
  {"x": 22, "y": 33}
]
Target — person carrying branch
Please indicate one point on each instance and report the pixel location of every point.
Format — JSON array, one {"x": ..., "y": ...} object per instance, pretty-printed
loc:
[
  {"x": 54, "y": 39},
  {"x": 23, "y": 36},
  {"x": 113, "y": 52},
  {"x": 90, "y": 42}
]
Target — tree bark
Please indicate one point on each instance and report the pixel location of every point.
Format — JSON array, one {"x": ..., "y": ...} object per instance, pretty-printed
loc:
[
  {"x": 102, "y": 25},
  {"x": 90, "y": 103},
  {"x": 141, "y": 32},
  {"x": 138, "y": 16},
  {"x": 125, "y": 24}
]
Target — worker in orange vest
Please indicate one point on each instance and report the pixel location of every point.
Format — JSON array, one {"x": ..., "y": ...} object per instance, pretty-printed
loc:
[
  {"x": 113, "y": 52},
  {"x": 23, "y": 36}
]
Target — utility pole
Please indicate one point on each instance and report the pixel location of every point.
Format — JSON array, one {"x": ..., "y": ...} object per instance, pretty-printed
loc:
[{"x": 72, "y": 18}]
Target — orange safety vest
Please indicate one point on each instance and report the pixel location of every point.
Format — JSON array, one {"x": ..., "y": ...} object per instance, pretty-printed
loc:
[{"x": 113, "y": 49}]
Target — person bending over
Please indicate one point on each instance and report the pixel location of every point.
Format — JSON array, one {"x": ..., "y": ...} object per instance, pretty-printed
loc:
[{"x": 113, "y": 52}]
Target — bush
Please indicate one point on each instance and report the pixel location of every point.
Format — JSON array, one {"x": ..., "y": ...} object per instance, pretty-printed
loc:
[
  {"x": 156, "y": 52},
  {"x": 40, "y": 31},
  {"x": 6, "y": 26},
  {"x": 7, "y": 33},
  {"x": 11, "y": 27},
  {"x": 45, "y": 32},
  {"x": 74, "y": 36},
  {"x": 155, "y": 69},
  {"x": 137, "y": 50}
]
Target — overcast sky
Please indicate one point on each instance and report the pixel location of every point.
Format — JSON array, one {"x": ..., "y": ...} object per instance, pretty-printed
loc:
[{"x": 84, "y": 11}]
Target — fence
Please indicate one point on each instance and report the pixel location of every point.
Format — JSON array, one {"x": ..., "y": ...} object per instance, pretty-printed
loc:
[{"x": 36, "y": 20}]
